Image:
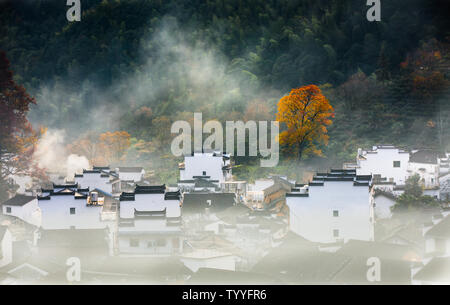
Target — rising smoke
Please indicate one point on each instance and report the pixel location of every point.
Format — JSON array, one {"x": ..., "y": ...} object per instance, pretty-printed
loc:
[{"x": 51, "y": 154}]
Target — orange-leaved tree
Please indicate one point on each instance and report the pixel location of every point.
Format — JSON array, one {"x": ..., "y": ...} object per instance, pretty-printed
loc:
[
  {"x": 114, "y": 145},
  {"x": 17, "y": 137},
  {"x": 306, "y": 112}
]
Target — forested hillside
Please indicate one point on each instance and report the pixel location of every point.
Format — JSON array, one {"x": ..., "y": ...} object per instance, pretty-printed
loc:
[{"x": 138, "y": 65}]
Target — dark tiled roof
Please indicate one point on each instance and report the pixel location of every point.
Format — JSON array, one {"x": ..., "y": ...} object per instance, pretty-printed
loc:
[
  {"x": 127, "y": 196},
  {"x": 19, "y": 200},
  {"x": 442, "y": 229},
  {"x": 88, "y": 239},
  {"x": 355, "y": 272},
  {"x": 389, "y": 195},
  {"x": 172, "y": 195},
  {"x": 150, "y": 189},
  {"x": 297, "y": 195},
  {"x": 297, "y": 260},
  {"x": 86, "y": 171},
  {"x": 101, "y": 168},
  {"x": 63, "y": 186},
  {"x": 359, "y": 248},
  {"x": 437, "y": 270},
  {"x": 424, "y": 156},
  {"x": 197, "y": 202}
]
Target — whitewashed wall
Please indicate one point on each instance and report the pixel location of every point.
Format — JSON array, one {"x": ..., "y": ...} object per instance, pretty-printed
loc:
[
  {"x": 429, "y": 173},
  {"x": 381, "y": 162},
  {"x": 56, "y": 214},
  {"x": 312, "y": 217},
  {"x": 383, "y": 207},
  {"x": 6, "y": 249},
  {"x": 136, "y": 177},
  {"x": 93, "y": 181},
  {"x": 199, "y": 163},
  {"x": 29, "y": 212}
]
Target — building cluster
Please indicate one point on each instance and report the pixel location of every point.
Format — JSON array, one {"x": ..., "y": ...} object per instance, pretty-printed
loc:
[{"x": 209, "y": 227}]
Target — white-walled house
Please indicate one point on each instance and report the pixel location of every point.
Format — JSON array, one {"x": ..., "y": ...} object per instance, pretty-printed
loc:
[
  {"x": 435, "y": 272},
  {"x": 70, "y": 209},
  {"x": 6, "y": 246},
  {"x": 383, "y": 201},
  {"x": 386, "y": 161},
  {"x": 444, "y": 163},
  {"x": 437, "y": 237},
  {"x": 209, "y": 258},
  {"x": 444, "y": 187},
  {"x": 337, "y": 207},
  {"x": 214, "y": 165},
  {"x": 99, "y": 178},
  {"x": 23, "y": 207},
  {"x": 72, "y": 214},
  {"x": 425, "y": 164},
  {"x": 437, "y": 251},
  {"x": 150, "y": 222},
  {"x": 128, "y": 173}
]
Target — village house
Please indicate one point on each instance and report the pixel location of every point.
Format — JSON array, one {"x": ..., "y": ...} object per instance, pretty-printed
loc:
[
  {"x": 383, "y": 201},
  {"x": 23, "y": 207},
  {"x": 243, "y": 236},
  {"x": 444, "y": 163},
  {"x": 69, "y": 213},
  {"x": 150, "y": 222},
  {"x": 253, "y": 232},
  {"x": 336, "y": 207},
  {"x": 269, "y": 194},
  {"x": 437, "y": 236},
  {"x": 435, "y": 272},
  {"x": 99, "y": 177},
  {"x": 299, "y": 261},
  {"x": 196, "y": 203},
  {"x": 425, "y": 164},
  {"x": 75, "y": 208},
  {"x": 209, "y": 258},
  {"x": 213, "y": 166},
  {"x": 134, "y": 174},
  {"x": 6, "y": 246},
  {"x": 385, "y": 161},
  {"x": 444, "y": 188}
]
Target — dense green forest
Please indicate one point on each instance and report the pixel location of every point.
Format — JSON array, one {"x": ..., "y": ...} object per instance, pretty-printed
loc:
[{"x": 138, "y": 65}]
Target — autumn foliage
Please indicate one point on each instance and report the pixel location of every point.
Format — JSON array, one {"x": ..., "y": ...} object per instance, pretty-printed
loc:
[
  {"x": 306, "y": 114},
  {"x": 103, "y": 149},
  {"x": 17, "y": 137}
]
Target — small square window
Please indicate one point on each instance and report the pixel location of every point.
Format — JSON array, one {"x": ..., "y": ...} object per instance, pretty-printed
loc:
[
  {"x": 396, "y": 163},
  {"x": 72, "y": 211},
  {"x": 134, "y": 242},
  {"x": 335, "y": 213},
  {"x": 336, "y": 233},
  {"x": 8, "y": 210},
  {"x": 204, "y": 173}
]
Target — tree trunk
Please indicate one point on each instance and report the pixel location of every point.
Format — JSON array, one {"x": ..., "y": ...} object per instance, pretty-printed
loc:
[{"x": 300, "y": 152}]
